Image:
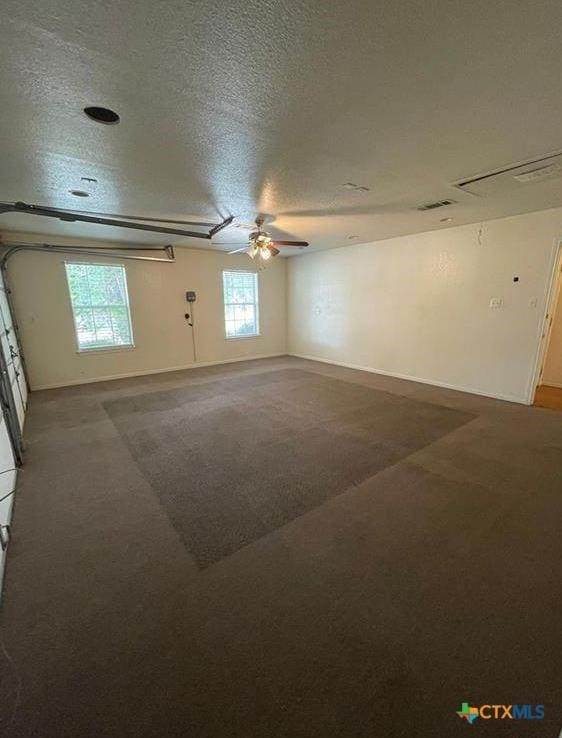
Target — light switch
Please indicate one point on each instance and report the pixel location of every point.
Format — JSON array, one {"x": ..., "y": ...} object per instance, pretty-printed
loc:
[{"x": 496, "y": 302}]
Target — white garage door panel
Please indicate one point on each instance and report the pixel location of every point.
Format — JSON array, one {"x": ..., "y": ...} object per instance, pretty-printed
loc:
[
  {"x": 4, "y": 341},
  {"x": 21, "y": 380},
  {"x": 7, "y": 483},
  {"x": 15, "y": 378},
  {"x": 5, "y": 517},
  {"x": 19, "y": 404},
  {"x": 6, "y": 508},
  {"x": 4, "y": 307},
  {"x": 7, "y": 486},
  {"x": 6, "y": 326},
  {"x": 12, "y": 373},
  {"x": 10, "y": 350},
  {"x": 6, "y": 454},
  {"x": 17, "y": 399}
]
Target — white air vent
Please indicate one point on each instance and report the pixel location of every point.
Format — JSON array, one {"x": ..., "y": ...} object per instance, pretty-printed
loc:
[
  {"x": 437, "y": 204},
  {"x": 514, "y": 177}
]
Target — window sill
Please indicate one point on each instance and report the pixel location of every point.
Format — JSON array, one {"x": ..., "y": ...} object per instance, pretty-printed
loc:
[
  {"x": 242, "y": 338},
  {"x": 101, "y": 350}
]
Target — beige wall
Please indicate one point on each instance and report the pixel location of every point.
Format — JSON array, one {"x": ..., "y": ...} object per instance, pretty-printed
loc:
[
  {"x": 418, "y": 306},
  {"x": 157, "y": 299}
]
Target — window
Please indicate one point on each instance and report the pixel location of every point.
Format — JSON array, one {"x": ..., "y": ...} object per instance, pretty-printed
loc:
[
  {"x": 100, "y": 304},
  {"x": 241, "y": 313}
]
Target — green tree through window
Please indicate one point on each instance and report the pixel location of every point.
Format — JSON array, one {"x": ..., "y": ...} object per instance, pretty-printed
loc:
[
  {"x": 241, "y": 304},
  {"x": 100, "y": 305}
]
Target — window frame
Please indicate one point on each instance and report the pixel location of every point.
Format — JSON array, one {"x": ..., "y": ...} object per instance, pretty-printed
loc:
[
  {"x": 256, "y": 304},
  {"x": 103, "y": 349}
]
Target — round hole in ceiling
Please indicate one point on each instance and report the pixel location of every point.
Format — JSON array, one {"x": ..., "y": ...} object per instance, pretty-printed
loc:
[
  {"x": 79, "y": 193},
  {"x": 102, "y": 115}
]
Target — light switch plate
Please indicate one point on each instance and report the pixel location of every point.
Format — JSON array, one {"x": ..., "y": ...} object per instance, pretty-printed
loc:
[{"x": 496, "y": 302}]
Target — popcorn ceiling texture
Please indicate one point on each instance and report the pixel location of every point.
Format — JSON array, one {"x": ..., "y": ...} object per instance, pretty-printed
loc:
[{"x": 262, "y": 105}]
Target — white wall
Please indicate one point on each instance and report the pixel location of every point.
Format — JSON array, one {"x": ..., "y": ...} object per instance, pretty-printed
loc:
[
  {"x": 418, "y": 306},
  {"x": 157, "y": 299}
]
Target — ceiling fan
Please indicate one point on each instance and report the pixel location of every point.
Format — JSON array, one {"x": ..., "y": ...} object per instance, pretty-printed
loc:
[{"x": 263, "y": 245}]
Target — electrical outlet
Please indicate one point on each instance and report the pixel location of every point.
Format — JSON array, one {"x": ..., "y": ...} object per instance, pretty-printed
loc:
[{"x": 496, "y": 302}]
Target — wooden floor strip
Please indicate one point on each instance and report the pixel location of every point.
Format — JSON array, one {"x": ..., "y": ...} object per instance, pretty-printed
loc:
[{"x": 550, "y": 397}]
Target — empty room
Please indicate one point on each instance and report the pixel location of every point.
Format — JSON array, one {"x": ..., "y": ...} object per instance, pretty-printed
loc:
[{"x": 280, "y": 369}]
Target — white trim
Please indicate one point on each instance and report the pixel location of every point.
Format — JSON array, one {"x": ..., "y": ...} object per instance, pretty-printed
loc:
[
  {"x": 542, "y": 335},
  {"x": 113, "y": 346},
  {"x": 411, "y": 378},
  {"x": 106, "y": 349},
  {"x": 256, "y": 303},
  {"x": 145, "y": 372},
  {"x": 241, "y": 338}
]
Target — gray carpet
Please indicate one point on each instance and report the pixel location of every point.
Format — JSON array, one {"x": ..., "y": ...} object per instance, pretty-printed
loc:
[
  {"x": 394, "y": 598},
  {"x": 233, "y": 460}
]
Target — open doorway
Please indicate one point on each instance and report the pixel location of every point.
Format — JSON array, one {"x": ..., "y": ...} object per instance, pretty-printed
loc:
[{"x": 549, "y": 386}]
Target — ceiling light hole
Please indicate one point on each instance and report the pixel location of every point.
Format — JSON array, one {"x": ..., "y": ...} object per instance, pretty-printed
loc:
[
  {"x": 79, "y": 193},
  {"x": 102, "y": 115},
  {"x": 445, "y": 220},
  {"x": 92, "y": 180}
]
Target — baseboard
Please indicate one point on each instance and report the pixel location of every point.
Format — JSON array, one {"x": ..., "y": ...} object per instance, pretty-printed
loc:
[
  {"x": 410, "y": 378},
  {"x": 546, "y": 383},
  {"x": 127, "y": 375}
]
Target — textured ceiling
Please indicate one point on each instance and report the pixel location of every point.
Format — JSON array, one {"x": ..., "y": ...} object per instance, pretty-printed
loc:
[{"x": 246, "y": 106}]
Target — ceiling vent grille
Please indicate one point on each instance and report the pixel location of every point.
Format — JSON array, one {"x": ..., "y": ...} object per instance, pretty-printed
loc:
[{"x": 438, "y": 204}]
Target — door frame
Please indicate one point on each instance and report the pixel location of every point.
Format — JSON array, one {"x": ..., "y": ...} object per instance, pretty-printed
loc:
[{"x": 554, "y": 291}]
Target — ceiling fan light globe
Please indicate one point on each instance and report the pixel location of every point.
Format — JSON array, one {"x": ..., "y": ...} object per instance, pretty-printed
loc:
[{"x": 265, "y": 254}]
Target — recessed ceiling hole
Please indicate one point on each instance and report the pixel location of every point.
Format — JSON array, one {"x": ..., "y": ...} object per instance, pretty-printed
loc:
[
  {"x": 102, "y": 115},
  {"x": 79, "y": 193},
  {"x": 88, "y": 179}
]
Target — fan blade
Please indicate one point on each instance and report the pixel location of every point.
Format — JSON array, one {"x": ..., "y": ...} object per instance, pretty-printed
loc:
[
  {"x": 237, "y": 251},
  {"x": 273, "y": 250},
  {"x": 299, "y": 244}
]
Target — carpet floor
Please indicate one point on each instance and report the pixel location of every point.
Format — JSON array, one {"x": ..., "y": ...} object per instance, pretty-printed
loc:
[
  {"x": 281, "y": 548},
  {"x": 233, "y": 460}
]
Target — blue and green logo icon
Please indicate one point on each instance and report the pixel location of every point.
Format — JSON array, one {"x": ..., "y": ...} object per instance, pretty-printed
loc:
[{"x": 468, "y": 713}]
